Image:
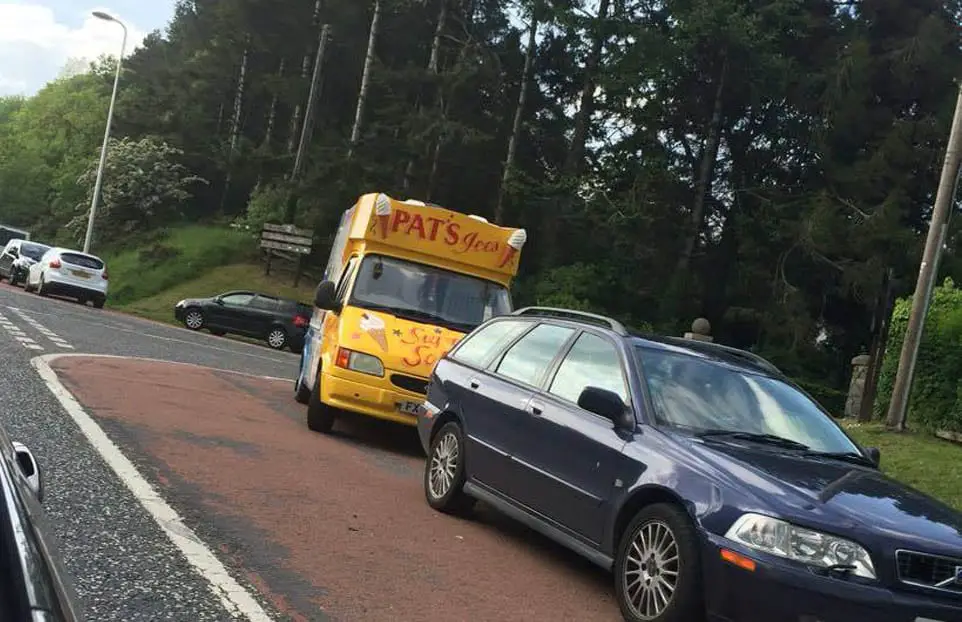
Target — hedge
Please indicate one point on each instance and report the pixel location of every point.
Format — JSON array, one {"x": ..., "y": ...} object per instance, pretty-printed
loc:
[{"x": 936, "y": 398}]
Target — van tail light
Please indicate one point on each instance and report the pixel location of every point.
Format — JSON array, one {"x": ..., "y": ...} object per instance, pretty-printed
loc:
[
  {"x": 55, "y": 264},
  {"x": 299, "y": 320}
]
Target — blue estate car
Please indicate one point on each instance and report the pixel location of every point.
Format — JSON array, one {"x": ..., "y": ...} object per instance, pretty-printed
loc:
[{"x": 706, "y": 481}]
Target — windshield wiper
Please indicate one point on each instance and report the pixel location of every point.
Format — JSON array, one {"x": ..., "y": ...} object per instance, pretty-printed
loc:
[
  {"x": 413, "y": 314},
  {"x": 766, "y": 439},
  {"x": 845, "y": 456}
]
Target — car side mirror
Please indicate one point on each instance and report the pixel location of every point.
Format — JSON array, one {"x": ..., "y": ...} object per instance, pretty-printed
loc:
[
  {"x": 874, "y": 454},
  {"x": 14, "y": 252},
  {"x": 219, "y": 301},
  {"x": 325, "y": 296},
  {"x": 606, "y": 404},
  {"x": 30, "y": 469}
]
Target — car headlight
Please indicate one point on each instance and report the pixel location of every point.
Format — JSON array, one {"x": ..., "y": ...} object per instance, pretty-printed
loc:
[
  {"x": 777, "y": 537},
  {"x": 359, "y": 362}
]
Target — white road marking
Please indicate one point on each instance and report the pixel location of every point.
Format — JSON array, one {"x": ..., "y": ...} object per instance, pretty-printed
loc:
[
  {"x": 17, "y": 333},
  {"x": 235, "y": 598},
  {"x": 43, "y": 330}
]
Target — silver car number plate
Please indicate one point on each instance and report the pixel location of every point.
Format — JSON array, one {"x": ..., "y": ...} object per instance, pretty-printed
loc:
[{"x": 83, "y": 274}]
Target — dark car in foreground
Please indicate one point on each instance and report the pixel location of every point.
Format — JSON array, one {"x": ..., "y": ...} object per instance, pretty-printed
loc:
[
  {"x": 709, "y": 484},
  {"x": 278, "y": 321},
  {"x": 34, "y": 585},
  {"x": 17, "y": 257}
]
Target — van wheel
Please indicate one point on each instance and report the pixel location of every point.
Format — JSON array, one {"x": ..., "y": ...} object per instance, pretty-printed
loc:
[
  {"x": 657, "y": 570},
  {"x": 444, "y": 472},
  {"x": 320, "y": 416}
]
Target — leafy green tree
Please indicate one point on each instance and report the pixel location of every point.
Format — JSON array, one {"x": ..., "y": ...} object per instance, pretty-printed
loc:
[{"x": 144, "y": 187}]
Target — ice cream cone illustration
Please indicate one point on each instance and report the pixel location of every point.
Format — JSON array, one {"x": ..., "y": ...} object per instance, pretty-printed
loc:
[
  {"x": 374, "y": 326},
  {"x": 515, "y": 242},
  {"x": 382, "y": 208}
]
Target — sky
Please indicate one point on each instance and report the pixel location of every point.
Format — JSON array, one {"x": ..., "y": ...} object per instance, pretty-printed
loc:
[{"x": 38, "y": 37}]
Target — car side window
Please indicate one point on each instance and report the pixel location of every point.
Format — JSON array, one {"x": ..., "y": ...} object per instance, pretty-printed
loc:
[
  {"x": 478, "y": 349},
  {"x": 592, "y": 362},
  {"x": 265, "y": 303},
  {"x": 237, "y": 300},
  {"x": 528, "y": 360}
]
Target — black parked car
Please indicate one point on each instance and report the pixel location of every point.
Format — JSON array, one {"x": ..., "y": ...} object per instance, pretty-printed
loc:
[
  {"x": 34, "y": 584},
  {"x": 708, "y": 483},
  {"x": 17, "y": 257},
  {"x": 280, "y": 322}
]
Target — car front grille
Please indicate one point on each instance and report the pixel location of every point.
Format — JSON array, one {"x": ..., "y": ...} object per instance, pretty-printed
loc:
[
  {"x": 929, "y": 571},
  {"x": 410, "y": 383}
]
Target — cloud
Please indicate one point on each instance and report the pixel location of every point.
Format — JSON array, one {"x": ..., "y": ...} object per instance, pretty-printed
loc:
[{"x": 34, "y": 45}]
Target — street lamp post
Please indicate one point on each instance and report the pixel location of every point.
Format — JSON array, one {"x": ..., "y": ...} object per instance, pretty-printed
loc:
[{"x": 110, "y": 117}]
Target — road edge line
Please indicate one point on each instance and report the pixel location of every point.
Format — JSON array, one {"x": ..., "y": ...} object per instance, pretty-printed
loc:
[
  {"x": 147, "y": 359},
  {"x": 235, "y": 598}
]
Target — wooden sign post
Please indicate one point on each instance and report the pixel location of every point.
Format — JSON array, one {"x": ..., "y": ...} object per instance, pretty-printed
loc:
[{"x": 287, "y": 242}]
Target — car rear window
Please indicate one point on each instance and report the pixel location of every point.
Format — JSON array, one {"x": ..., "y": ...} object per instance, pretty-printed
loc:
[{"x": 82, "y": 260}]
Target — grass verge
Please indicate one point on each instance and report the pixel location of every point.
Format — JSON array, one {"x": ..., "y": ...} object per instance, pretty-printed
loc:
[
  {"x": 167, "y": 261},
  {"x": 919, "y": 460},
  {"x": 160, "y": 306}
]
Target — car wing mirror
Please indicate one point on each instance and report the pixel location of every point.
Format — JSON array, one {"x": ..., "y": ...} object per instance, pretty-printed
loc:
[
  {"x": 325, "y": 296},
  {"x": 607, "y": 404},
  {"x": 874, "y": 454},
  {"x": 30, "y": 469},
  {"x": 219, "y": 301}
]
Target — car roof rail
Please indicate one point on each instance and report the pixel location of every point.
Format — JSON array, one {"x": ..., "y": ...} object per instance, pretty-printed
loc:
[
  {"x": 576, "y": 316},
  {"x": 745, "y": 355}
]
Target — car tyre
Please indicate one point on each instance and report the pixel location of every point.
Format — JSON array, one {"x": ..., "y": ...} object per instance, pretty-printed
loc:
[
  {"x": 99, "y": 302},
  {"x": 320, "y": 416},
  {"x": 40, "y": 287},
  {"x": 302, "y": 394},
  {"x": 444, "y": 473},
  {"x": 659, "y": 552},
  {"x": 277, "y": 338},
  {"x": 194, "y": 319}
]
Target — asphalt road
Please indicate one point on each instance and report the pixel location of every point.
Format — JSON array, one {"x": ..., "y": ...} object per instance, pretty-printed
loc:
[{"x": 123, "y": 566}]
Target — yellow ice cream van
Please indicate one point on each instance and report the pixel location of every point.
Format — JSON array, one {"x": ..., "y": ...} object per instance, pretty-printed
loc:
[{"x": 404, "y": 282}]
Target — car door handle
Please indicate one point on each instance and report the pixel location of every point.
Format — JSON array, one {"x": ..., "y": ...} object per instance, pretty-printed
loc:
[
  {"x": 536, "y": 408},
  {"x": 474, "y": 383}
]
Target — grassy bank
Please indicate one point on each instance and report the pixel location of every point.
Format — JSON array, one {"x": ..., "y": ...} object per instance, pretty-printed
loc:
[
  {"x": 925, "y": 462},
  {"x": 215, "y": 281},
  {"x": 167, "y": 261}
]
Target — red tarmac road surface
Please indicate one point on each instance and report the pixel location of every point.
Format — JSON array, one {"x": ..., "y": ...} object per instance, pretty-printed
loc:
[{"x": 326, "y": 527}]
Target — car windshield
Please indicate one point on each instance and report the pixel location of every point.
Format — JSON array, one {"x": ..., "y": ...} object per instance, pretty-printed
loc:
[
  {"x": 706, "y": 396},
  {"x": 33, "y": 251},
  {"x": 426, "y": 294}
]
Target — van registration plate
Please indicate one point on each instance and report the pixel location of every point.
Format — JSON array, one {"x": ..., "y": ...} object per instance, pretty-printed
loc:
[{"x": 409, "y": 408}]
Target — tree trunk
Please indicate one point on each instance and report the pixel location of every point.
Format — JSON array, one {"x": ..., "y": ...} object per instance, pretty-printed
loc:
[
  {"x": 239, "y": 102},
  {"x": 706, "y": 170},
  {"x": 574, "y": 164},
  {"x": 365, "y": 79},
  {"x": 272, "y": 111},
  {"x": 305, "y": 70},
  {"x": 433, "y": 64},
  {"x": 518, "y": 115}
]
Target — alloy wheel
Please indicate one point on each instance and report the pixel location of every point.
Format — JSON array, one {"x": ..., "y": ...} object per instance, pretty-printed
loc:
[
  {"x": 194, "y": 320},
  {"x": 276, "y": 339},
  {"x": 444, "y": 465},
  {"x": 651, "y": 570}
]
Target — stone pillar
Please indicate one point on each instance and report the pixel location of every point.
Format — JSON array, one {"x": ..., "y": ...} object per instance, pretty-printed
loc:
[
  {"x": 700, "y": 330},
  {"x": 857, "y": 386}
]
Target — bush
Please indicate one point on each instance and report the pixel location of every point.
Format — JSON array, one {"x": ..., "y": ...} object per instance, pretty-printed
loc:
[{"x": 936, "y": 398}]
